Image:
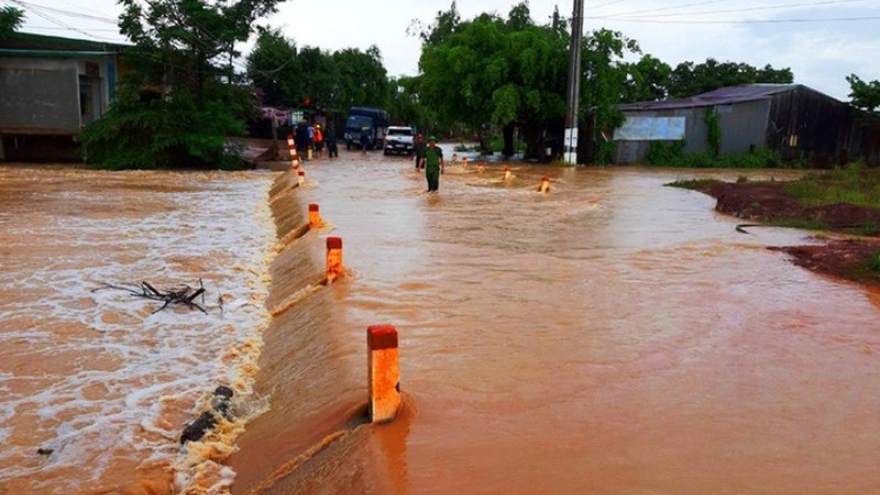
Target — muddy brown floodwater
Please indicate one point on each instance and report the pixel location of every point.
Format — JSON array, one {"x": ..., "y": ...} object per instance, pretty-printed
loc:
[{"x": 614, "y": 336}]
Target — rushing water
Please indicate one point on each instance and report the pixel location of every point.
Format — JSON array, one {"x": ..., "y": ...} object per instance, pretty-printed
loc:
[
  {"x": 95, "y": 380},
  {"x": 614, "y": 336}
]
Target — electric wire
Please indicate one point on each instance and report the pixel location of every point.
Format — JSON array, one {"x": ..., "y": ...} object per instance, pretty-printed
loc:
[
  {"x": 740, "y": 21},
  {"x": 69, "y": 13},
  {"x": 39, "y": 13},
  {"x": 641, "y": 13}
]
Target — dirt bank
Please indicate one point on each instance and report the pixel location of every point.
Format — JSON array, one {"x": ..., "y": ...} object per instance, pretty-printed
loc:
[{"x": 767, "y": 202}]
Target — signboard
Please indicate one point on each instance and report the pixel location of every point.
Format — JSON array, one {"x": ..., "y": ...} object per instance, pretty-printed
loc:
[{"x": 651, "y": 129}]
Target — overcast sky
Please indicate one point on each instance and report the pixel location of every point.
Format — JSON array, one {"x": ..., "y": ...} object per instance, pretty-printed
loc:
[{"x": 822, "y": 41}]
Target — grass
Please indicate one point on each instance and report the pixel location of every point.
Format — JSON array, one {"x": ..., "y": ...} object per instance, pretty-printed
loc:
[
  {"x": 671, "y": 154},
  {"x": 855, "y": 184},
  {"x": 695, "y": 184},
  {"x": 874, "y": 262}
]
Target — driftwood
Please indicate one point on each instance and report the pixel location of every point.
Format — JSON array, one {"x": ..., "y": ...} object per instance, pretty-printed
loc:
[{"x": 184, "y": 295}]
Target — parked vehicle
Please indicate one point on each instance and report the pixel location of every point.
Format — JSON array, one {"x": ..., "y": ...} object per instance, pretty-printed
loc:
[
  {"x": 373, "y": 121},
  {"x": 399, "y": 139}
]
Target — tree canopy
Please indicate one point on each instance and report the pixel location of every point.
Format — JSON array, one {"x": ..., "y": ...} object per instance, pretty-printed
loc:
[
  {"x": 310, "y": 77},
  {"x": 865, "y": 95},
  {"x": 690, "y": 79},
  {"x": 181, "y": 99},
  {"x": 505, "y": 72},
  {"x": 10, "y": 20}
]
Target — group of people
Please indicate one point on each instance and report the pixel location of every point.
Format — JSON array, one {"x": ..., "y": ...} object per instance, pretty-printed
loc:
[
  {"x": 430, "y": 159},
  {"x": 314, "y": 137}
]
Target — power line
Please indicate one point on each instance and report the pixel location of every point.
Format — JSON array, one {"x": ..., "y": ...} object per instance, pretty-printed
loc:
[
  {"x": 738, "y": 21},
  {"x": 673, "y": 7},
  {"x": 69, "y": 13},
  {"x": 57, "y": 22},
  {"x": 729, "y": 11},
  {"x": 606, "y": 4}
]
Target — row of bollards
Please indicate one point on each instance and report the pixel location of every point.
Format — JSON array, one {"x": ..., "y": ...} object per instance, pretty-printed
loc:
[{"x": 383, "y": 368}]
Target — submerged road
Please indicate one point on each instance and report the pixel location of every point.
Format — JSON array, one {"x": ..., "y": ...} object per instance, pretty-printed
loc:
[{"x": 614, "y": 336}]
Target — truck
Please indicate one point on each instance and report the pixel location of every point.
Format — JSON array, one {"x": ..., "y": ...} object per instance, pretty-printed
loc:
[
  {"x": 373, "y": 121},
  {"x": 399, "y": 139}
]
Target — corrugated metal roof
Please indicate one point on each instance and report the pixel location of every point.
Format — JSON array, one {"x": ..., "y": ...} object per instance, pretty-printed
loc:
[
  {"x": 721, "y": 96},
  {"x": 53, "y": 53},
  {"x": 30, "y": 41}
]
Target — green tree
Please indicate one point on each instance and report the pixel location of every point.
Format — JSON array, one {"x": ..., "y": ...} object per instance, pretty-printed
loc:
[
  {"x": 311, "y": 77},
  {"x": 10, "y": 20},
  {"x": 445, "y": 24},
  {"x": 181, "y": 99},
  {"x": 362, "y": 79},
  {"x": 648, "y": 80},
  {"x": 491, "y": 70},
  {"x": 603, "y": 83},
  {"x": 864, "y": 95},
  {"x": 273, "y": 66},
  {"x": 405, "y": 106},
  {"x": 688, "y": 79}
]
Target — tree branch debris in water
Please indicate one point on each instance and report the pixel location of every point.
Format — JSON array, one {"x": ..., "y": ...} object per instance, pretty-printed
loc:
[{"x": 184, "y": 295}]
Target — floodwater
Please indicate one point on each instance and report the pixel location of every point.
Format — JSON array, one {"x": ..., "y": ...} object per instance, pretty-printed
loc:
[{"x": 613, "y": 336}]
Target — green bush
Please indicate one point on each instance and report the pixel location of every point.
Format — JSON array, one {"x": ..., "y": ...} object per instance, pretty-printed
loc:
[
  {"x": 874, "y": 263},
  {"x": 671, "y": 154},
  {"x": 665, "y": 153},
  {"x": 163, "y": 134}
]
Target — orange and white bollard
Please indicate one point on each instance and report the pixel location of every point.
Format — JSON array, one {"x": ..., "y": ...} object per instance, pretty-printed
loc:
[
  {"x": 301, "y": 177},
  {"x": 545, "y": 184},
  {"x": 315, "y": 220},
  {"x": 383, "y": 371},
  {"x": 334, "y": 259},
  {"x": 507, "y": 173},
  {"x": 291, "y": 146}
]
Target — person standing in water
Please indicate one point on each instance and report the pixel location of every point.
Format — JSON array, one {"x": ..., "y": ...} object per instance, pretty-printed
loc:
[
  {"x": 432, "y": 162},
  {"x": 419, "y": 150}
]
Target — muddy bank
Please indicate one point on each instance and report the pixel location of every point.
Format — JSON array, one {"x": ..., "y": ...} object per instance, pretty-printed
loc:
[{"x": 845, "y": 258}]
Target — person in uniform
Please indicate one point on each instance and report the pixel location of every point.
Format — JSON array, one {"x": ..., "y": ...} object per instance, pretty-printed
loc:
[{"x": 432, "y": 162}]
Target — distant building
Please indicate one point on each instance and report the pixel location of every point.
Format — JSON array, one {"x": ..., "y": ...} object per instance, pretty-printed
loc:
[
  {"x": 792, "y": 119},
  {"x": 50, "y": 88}
]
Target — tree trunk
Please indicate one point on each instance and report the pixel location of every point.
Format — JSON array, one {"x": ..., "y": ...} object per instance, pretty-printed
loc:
[
  {"x": 534, "y": 142},
  {"x": 507, "y": 131}
]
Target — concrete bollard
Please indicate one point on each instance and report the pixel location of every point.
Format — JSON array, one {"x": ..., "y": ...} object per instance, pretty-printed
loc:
[
  {"x": 310, "y": 155},
  {"x": 291, "y": 146},
  {"x": 454, "y": 158},
  {"x": 334, "y": 259},
  {"x": 383, "y": 371},
  {"x": 315, "y": 220},
  {"x": 464, "y": 162},
  {"x": 301, "y": 177},
  {"x": 507, "y": 174},
  {"x": 545, "y": 184}
]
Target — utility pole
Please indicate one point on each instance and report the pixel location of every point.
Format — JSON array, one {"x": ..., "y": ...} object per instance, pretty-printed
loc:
[{"x": 574, "y": 83}]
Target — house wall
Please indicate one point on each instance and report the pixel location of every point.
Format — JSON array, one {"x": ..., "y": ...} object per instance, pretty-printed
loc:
[
  {"x": 808, "y": 125},
  {"x": 42, "y": 96},
  {"x": 800, "y": 124},
  {"x": 636, "y": 151},
  {"x": 743, "y": 126}
]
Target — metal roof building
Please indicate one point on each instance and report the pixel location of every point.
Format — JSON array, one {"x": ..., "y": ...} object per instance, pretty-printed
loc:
[{"x": 797, "y": 121}]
